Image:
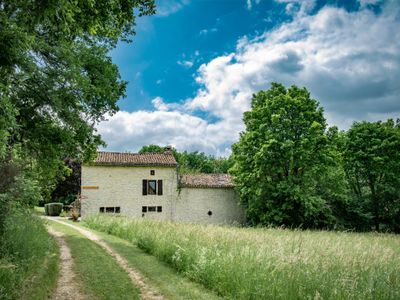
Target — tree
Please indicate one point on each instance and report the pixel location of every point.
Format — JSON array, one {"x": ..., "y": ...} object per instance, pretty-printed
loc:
[
  {"x": 372, "y": 164},
  {"x": 68, "y": 187},
  {"x": 57, "y": 81},
  {"x": 194, "y": 162},
  {"x": 279, "y": 157},
  {"x": 153, "y": 149}
]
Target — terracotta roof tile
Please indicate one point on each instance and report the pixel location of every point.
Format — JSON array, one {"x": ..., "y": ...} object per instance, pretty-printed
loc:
[
  {"x": 207, "y": 180},
  {"x": 135, "y": 159}
]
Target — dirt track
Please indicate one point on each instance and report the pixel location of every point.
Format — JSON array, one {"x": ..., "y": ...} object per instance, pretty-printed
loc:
[
  {"x": 67, "y": 287},
  {"x": 146, "y": 291}
]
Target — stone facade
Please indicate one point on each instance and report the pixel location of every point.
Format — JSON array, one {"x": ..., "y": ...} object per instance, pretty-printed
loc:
[
  {"x": 208, "y": 205},
  {"x": 119, "y": 189},
  {"x": 118, "y": 186}
]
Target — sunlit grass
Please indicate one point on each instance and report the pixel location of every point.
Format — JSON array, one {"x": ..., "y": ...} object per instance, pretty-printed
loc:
[
  {"x": 248, "y": 263},
  {"x": 97, "y": 273},
  {"x": 28, "y": 258},
  {"x": 159, "y": 275}
]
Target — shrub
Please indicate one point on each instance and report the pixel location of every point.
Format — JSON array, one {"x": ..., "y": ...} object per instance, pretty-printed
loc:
[
  {"x": 28, "y": 257},
  {"x": 53, "y": 209}
]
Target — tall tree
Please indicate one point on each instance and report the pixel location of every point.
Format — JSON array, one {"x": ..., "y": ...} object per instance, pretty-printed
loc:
[
  {"x": 56, "y": 78},
  {"x": 372, "y": 162},
  {"x": 279, "y": 156},
  {"x": 56, "y": 82}
]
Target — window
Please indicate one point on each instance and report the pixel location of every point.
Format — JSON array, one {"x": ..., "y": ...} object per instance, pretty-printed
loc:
[
  {"x": 111, "y": 210},
  {"x": 152, "y": 172},
  {"x": 160, "y": 187},
  {"x": 152, "y": 187},
  {"x": 150, "y": 209},
  {"x": 144, "y": 186}
]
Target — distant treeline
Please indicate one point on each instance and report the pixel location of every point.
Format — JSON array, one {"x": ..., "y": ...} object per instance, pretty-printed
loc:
[{"x": 194, "y": 162}]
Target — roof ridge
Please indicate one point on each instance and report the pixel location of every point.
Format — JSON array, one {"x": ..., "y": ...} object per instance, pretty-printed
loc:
[
  {"x": 135, "y": 159},
  {"x": 207, "y": 180},
  {"x": 134, "y": 153}
]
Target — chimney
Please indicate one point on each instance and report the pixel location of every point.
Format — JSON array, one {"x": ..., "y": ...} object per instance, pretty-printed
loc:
[{"x": 168, "y": 150}]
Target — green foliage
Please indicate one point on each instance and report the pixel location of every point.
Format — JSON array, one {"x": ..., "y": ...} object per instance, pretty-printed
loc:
[
  {"x": 280, "y": 158},
  {"x": 69, "y": 186},
  {"x": 53, "y": 209},
  {"x": 372, "y": 164},
  {"x": 153, "y": 149},
  {"x": 199, "y": 162},
  {"x": 24, "y": 191},
  {"x": 28, "y": 257},
  {"x": 265, "y": 263},
  {"x": 56, "y": 75},
  {"x": 56, "y": 82},
  {"x": 194, "y": 162}
]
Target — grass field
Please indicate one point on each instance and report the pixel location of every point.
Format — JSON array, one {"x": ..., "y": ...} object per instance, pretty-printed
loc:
[
  {"x": 165, "y": 279},
  {"x": 248, "y": 263}
]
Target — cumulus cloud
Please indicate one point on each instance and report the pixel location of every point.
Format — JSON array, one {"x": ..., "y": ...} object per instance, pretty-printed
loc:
[
  {"x": 350, "y": 61},
  {"x": 127, "y": 131}
]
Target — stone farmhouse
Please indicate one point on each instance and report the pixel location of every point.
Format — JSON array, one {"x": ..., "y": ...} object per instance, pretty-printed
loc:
[{"x": 149, "y": 186}]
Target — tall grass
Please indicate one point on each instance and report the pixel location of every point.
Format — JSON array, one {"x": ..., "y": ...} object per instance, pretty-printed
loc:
[
  {"x": 28, "y": 258},
  {"x": 262, "y": 263}
]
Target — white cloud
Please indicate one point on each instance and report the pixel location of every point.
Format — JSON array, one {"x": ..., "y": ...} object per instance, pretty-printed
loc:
[
  {"x": 298, "y": 7},
  {"x": 159, "y": 104},
  {"x": 350, "y": 61},
  {"x": 207, "y": 31},
  {"x": 127, "y": 131},
  {"x": 185, "y": 63},
  {"x": 169, "y": 7},
  {"x": 249, "y": 3}
]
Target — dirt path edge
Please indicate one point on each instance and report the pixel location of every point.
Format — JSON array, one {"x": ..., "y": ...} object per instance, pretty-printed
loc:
[
  {"x": 146, "y": 291},
  {"x": 67, "y": 287}
]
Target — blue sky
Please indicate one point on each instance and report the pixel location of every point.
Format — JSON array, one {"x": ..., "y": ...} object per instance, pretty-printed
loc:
[{"x": 193, "y": 67}]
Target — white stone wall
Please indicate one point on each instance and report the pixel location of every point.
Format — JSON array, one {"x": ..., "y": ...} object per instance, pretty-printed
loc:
[
  {"x": 194, "y": 204},
  {"x": 122, "y": 187}
]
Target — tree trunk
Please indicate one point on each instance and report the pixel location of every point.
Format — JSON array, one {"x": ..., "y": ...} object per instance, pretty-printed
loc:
[{"x": 375, "y": 204}]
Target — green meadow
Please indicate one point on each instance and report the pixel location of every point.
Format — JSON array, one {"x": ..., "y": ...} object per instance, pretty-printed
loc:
[{"x": 266, "y": 263}]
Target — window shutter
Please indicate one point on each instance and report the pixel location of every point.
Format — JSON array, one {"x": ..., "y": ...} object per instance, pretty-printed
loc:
[
  {"x": 144, "y": 187},
  {"x": 160, "y": 191}
]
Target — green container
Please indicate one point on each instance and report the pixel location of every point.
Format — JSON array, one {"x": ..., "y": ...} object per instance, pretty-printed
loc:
[{"x": 53, "y": 209}]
